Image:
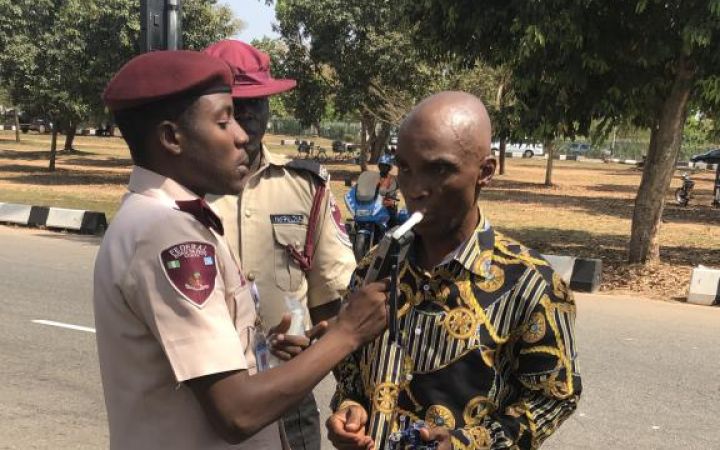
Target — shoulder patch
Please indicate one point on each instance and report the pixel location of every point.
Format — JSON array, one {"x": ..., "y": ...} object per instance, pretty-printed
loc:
[
  {"x": 313, "y": 167},
  {"x": 191, "y": 268}
]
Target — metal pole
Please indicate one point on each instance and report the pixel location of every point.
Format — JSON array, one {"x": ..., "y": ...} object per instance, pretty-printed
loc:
[{"x": 173, "y": 32}]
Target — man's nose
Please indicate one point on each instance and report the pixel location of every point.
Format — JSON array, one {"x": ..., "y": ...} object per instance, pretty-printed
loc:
[
  {"x": 241, "y": 136},
  {"x": 414, "y": 189}
]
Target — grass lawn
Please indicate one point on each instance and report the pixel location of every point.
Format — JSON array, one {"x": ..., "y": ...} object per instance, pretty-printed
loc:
[{"x": 588, "y": 212}]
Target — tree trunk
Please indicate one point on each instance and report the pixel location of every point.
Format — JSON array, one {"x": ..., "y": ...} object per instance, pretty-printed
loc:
[
  {"x": 501, "y": 156},
  {"x": 363, "y": 144},
  {"x": 17, "y": 125},
  {"x": 379, "y": 142},
  {"x": 69, "y": 138},
  {"x": 53, "y": 148},
  {"x": 659, "y": 167},
  {"x": 503, "y": 142},
  {"x": 549, "y": 146}
]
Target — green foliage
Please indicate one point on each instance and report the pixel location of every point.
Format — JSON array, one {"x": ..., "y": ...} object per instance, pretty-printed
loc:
[
  {"x": 205, "y": 22},
  {"x": 277, "y": 51},
  {"x": 58, "y": 55},
  {"x": 573, "y": 61},
  {"x": 353, "y": 51}
]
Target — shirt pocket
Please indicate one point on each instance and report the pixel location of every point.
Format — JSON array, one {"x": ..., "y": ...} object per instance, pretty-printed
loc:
[{"x": 288, "y": 274}]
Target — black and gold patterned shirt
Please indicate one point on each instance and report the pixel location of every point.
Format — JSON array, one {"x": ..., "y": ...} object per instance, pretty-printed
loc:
[{"x": 487, "y": 349}]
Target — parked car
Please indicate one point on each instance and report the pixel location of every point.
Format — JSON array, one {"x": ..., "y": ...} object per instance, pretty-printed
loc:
[
  {"x": 710, "y": 157},
  {"x": 39, "y": 125},
  {"x": 526, "y": 149},
  {"x": 578, "y": 148}
]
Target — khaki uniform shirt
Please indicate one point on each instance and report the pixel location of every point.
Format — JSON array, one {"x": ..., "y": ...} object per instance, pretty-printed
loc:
[
  {"x": 272, "y": 212},
  {"x": 170, "y": 306}
]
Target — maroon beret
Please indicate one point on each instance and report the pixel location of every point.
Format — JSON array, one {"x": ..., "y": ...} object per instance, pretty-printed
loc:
[
  {"x": 163, "y": 74},
  {"x": 251, "y": 69}
]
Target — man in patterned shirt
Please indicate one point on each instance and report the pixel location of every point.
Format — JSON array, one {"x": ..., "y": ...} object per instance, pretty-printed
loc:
[{"x": 487, "y": 354}]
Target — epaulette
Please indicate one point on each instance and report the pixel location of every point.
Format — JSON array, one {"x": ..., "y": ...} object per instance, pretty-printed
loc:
[{"x": 313, "y": 167}]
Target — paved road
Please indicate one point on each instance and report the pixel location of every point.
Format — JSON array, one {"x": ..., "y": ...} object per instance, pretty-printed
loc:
[{"x": 651, "y": 370}]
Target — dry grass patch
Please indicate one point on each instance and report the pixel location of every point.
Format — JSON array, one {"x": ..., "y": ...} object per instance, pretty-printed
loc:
[{"x": 588, "y": 213}]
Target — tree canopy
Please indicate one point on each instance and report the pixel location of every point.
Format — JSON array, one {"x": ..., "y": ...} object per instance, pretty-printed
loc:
[
  {"x": 56, "y": 56},
  {"x": 573, "y": 61},
  {"x": 352, "y": 51}
]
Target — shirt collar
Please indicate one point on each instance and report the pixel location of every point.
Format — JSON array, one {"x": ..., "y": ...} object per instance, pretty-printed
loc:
[
  {"x": 266, "y": 160},
  {"x": 146, "y": 182},
  {"x": 174, "y": 195},
  {"x": 475, "y": 254}
]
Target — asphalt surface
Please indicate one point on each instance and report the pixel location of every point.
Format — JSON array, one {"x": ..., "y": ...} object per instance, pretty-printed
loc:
[{"x": 651, "y": 370}]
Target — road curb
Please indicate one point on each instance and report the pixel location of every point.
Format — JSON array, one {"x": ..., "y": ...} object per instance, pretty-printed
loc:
[
  {"x": 84, "y": 222},
  {"x": 704, "y": 286},
  {"x": 582, "y": 274}
]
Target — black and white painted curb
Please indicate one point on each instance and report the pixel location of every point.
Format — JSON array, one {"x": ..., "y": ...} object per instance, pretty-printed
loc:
[
  {"x": 704, "y": 286},
  {"x": 583, "y": 275},
  {"x": 80, "y": 131},
  {"x": 84, "y": 222}
]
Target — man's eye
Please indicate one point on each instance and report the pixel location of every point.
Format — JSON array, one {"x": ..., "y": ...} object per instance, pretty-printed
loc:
[
  {"x": 243, "y": 117},
  {"x": 224, "y": 124},
  {"x": 443, "y": 169}
]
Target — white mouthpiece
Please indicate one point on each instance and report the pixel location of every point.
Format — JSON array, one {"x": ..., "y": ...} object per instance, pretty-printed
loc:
[{"x": 415, "y": 219}]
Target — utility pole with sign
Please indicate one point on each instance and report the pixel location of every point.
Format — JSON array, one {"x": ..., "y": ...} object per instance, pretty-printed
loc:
[{"x": 160, "y": 25}]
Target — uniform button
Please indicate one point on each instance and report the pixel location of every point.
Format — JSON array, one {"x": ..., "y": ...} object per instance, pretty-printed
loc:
[
  {"x": 418, "y": 331},
  {"x": 297, "y": 244},
  {"x": 426, "y": 287},
  {"x": 248, "y": 213},
  {"x": 409, "y": 377},
  {"x": 251, "y": 276}
]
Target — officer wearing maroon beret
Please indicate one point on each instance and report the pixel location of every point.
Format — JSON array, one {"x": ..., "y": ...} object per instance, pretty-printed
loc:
[
  {"x": 183, "y": 353},
  {"x": 285, "y": 225}
]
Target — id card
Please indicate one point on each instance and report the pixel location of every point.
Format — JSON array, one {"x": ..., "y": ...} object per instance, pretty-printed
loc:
[{"x": 262, "y": 352}]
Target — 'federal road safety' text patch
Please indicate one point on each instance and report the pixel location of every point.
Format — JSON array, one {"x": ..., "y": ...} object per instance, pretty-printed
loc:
[{"x": 191, "y": 268}]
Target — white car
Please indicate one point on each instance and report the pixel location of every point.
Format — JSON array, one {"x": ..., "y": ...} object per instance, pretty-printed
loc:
[{"x": 526, "y": 149}]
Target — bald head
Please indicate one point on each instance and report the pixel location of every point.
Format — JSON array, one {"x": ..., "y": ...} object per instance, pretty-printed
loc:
[
  {"x": 455, "y": 116},
  {"x": 443, "y": 159}
]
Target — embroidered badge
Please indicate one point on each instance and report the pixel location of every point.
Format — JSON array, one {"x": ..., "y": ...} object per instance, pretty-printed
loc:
[
  {"x": 339, "y": 225},
  {"x": 292, "y": 219},
  {"x": 191, "y": 268}
]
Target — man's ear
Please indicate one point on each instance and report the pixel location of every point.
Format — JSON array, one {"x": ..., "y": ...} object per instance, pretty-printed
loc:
[
  {"x": 168, "y": 134},
  {"x": 487, "y": 170}
]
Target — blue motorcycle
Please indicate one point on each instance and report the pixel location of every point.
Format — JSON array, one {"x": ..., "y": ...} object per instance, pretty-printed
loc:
[{"x": 371, "y": 218}]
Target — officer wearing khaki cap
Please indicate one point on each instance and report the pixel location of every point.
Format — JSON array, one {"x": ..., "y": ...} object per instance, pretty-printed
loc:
[
  {"x": 182, "y": 350},
  {"x": 285, "y": 226}
]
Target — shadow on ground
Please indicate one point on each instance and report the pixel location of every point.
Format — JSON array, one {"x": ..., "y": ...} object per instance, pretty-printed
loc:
[
  {"x": 34, "y": 175},
  {"x": 619, "y": 207},
  {"x": 611, "y": 248},
  {"x": 109, "y": 163}
]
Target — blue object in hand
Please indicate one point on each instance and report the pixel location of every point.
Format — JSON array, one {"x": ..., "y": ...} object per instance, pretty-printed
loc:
[{"x": 409, "y": 438}]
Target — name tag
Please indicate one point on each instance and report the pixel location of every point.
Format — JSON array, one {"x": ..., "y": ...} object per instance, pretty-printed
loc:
[
  {"x": 262, "y": 352},
  {"x": 291, "y": 219}
]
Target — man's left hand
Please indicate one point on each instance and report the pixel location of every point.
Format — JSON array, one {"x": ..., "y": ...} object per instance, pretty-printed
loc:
[
  {"x": 440, "y": 435},
  {"x": 287, "y": 346}
]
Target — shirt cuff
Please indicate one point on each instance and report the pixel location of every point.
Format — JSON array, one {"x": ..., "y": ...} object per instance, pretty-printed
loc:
[
  {"x": 197, "y": 358},
  {"x": 324, "y": 294}
]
